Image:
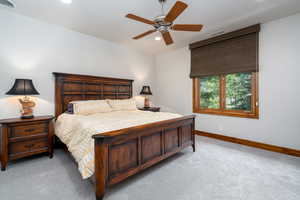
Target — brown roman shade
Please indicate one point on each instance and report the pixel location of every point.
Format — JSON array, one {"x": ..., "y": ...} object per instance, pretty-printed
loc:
[{"x": 229, "y": 53}]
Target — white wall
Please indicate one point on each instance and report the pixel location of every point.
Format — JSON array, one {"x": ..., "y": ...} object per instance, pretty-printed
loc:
[
  {"x": 279, "y": 122},
  {"x": 33, "y": 49}
]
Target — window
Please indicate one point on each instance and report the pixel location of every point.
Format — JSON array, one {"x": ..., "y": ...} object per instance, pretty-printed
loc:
[
  {"x": 224, "y": 70},
  {"x": 229, "y": 94}
]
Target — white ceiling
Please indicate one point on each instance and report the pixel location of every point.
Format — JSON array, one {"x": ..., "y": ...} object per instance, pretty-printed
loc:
[{"x": 105, "y": 19}]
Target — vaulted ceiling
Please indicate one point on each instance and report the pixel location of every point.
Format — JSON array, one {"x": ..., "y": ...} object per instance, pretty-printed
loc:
[{"x": 106, "y": 19}]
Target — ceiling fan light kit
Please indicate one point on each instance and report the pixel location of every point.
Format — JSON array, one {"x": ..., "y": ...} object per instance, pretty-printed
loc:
[{"x": 164, "y": 23}]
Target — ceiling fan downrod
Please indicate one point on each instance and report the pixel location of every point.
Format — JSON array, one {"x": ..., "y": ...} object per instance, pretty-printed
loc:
[{"x": 162, "y": 2}]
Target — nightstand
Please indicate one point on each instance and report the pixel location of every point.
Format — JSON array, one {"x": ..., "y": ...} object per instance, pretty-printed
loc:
[
  {"x": 25, "y": 137},
  {"x": 152, "y": 109}
]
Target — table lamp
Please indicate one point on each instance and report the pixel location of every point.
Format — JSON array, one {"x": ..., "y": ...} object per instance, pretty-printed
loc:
[
  {"x": 146, "y": 91},
  {"x": 24, "y": 87}
]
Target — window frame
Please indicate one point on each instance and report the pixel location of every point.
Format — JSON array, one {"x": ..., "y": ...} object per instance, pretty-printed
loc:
[{"x": 254, "y": 113}]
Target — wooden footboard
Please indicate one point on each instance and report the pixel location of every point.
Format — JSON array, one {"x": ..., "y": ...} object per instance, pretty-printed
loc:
[{"x": 123, "y": 153}]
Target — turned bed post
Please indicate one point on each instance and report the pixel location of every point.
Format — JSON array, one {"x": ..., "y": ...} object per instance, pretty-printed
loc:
[{"x": 101, "y": 164}]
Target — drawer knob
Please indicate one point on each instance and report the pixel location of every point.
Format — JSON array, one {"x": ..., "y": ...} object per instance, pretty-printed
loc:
[{"x": 29, "y": 130}]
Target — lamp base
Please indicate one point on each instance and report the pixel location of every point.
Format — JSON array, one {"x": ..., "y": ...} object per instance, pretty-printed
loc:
[
  {"x": 147, "y": 102},
  {"x": 27, "y": 108}
]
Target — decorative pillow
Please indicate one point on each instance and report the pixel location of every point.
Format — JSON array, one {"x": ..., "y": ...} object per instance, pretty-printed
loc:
[
  {"x": 88, "y": 107},
  {"x": 124, "y": 104}
]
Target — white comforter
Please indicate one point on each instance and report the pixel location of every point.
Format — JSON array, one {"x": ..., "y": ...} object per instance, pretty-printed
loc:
[{"x": 76, "y": 131}]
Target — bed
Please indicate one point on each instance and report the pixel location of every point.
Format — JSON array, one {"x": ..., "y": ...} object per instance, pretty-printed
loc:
[{"x": 121, "y": 151}]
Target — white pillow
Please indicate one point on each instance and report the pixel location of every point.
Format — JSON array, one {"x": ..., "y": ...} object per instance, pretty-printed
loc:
[
  {"x": 90, "y": 107},
  {"x": 124, "y": 104}
]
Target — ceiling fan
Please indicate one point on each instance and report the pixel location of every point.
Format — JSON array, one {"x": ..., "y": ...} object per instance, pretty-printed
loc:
[{"x": 164, "y": 23}]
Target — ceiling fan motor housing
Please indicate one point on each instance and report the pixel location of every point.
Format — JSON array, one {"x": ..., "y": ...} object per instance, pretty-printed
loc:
[{"x": 161, "y": 25}]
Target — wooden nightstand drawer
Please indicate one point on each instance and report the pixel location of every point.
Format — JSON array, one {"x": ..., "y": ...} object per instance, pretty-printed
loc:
[
  {"x": 28, "y": 130},
  {"x": 27, "y": 146}
]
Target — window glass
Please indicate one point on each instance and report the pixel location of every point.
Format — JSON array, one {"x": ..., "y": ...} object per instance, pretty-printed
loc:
[
  {"x": 238, "y": 91},
  {"x": 210, "y": 92}
]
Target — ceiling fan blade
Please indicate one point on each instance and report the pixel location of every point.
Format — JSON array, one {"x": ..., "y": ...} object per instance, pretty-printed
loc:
[
  {"x": 140, "y": 19},
  {"x": 187, "y": 27},
  {"x": 177, "y": 9},
  {"x": 144, "y": 34},
  {"x": 167, "y": 37}
]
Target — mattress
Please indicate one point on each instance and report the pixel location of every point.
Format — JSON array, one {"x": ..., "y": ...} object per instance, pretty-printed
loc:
[{"x": 76, "y": 131}]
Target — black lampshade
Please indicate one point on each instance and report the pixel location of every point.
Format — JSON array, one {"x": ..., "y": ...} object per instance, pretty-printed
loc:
[
  {"x": 146, "y": 90},
  {"x": 23, "y": 87}
]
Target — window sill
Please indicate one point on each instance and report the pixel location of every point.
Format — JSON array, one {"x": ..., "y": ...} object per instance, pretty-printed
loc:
[{"x": 228, "y": 113}]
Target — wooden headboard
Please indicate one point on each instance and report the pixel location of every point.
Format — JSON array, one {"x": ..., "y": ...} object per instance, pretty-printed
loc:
[{"x": 75, "y": 87}]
